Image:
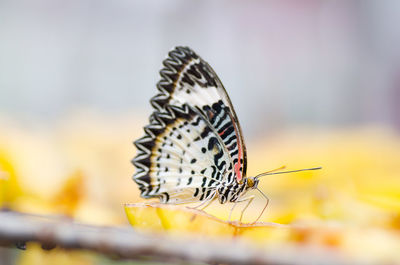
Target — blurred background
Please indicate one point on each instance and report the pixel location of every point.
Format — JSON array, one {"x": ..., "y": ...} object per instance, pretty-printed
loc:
[{"x": 314, "y": 83}]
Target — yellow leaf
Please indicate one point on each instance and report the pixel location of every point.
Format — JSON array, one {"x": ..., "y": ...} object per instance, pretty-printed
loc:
[
  {"x": 71, "y": 194},
  {"x": 175, "y": 219},
  {"x": 354, "y": 242},
  {"x": 9, "y": 187}
]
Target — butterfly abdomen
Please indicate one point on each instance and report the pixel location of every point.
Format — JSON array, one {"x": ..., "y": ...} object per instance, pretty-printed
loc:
[{"x": 231, "y": 192}]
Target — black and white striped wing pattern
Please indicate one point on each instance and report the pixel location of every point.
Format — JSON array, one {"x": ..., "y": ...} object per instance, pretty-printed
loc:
[{"x": 193, "y": 142}]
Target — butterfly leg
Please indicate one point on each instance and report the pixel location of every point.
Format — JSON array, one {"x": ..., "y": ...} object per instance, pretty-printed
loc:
[
  {"x": 249, "y": 200},
  {"x": 231, "y": 211},
  {"x": 206, "y": 203},
  {"x": 265, "y": 207}
]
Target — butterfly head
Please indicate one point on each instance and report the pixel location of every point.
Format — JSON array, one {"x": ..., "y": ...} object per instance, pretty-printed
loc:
[{"x": 252, "y": 182}]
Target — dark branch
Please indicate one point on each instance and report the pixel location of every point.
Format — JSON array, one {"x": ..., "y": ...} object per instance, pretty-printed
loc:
[{"x": 125, "y": 242}]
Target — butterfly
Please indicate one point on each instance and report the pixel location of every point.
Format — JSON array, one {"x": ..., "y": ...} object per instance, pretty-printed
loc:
[{"x": 193, "y": 148}]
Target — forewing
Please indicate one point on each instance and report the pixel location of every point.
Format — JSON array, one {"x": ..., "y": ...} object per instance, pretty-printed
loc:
[
  {"x": 180, "y": 159},
  {"x": 188, "y": 79}
]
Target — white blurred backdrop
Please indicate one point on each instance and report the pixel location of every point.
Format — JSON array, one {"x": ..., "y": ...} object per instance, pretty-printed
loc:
[{"x": 284, "y": 63}]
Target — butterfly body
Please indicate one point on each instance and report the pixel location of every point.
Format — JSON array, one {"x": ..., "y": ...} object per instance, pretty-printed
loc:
[
  {"x": 233, "y": 191},
  {"x": 193, "y": 148}
]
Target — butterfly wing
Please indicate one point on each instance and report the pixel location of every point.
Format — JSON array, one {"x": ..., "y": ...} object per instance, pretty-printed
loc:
[
  {"x": 188, "y": 79},
  {"x": 180, "y": 158},
  {"x": 193, "y": 141}
]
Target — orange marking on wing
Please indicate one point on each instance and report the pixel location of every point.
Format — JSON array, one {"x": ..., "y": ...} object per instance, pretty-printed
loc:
[
  {"x": 239, "y": 164},
  {"x": 222, "y": 133}
]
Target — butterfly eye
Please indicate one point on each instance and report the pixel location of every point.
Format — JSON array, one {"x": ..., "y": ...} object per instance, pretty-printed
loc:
[{"x": 250, "y": 182}]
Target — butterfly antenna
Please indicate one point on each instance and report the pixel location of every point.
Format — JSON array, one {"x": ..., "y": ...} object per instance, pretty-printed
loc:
[
  {"x": 284, "y": 172},
  {"x": 279, "y": 168}
]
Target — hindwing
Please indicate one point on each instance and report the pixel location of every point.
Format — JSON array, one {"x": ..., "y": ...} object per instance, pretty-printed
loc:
[{"x": 180, "y": 159}]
